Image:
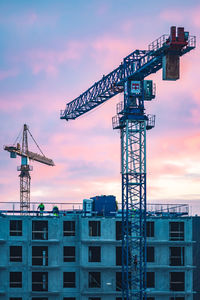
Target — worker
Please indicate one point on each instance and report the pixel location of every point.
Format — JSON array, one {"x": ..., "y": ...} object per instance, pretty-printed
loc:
[
  {"x": 55, "y": 211},
  {"x": 41, "y": 208},
  {"x": 135, "y": 262}
]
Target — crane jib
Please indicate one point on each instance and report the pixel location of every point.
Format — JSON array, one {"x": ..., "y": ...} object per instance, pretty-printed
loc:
[{"x": 136, "y": 66}]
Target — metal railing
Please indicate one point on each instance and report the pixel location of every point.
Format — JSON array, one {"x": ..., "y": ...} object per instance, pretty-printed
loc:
[
  {"x": 158, "y": 43},
  {"x": 153, "y": 209}
]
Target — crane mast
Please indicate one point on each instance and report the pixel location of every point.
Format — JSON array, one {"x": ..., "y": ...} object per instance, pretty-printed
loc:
[
  {"x": 25, "y": 178},
  {"x": 25, "y": 168},
  {"x": 133, "y": 123}
]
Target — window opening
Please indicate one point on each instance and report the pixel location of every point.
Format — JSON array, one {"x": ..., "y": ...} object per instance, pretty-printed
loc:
[
  {"x": 176, "y": 231},
  {"x": 118, "y": 281},
  {"x": 118, "y": 256},
  {"x": 39, "y": 256},
  {"x": 15, "y": 279},
  {"x": 177, "y": 281},
  {"x": 150, "y": 280},
  {"x": 118, "y": 228},
  {"x": 69, "y": 279},
  {"x": 177, "y": 256},
  {"x": 150, "y": 229},
  {"x": 94, "y": 280},
  {"x": 94, "y": 254},
  {"x": 40, "y": 230},
  {"x": 36, "y": 298},
  {"x": 16, "y": 253},
  {"x": 150, "y": 254},
  {"x": 69, "y": 228},
  {"x": 69, "y": 254},
  {"x": 94, "y": 228},
  {"x": 40, "y": 281},
  {"x": 15, "y": 227}
]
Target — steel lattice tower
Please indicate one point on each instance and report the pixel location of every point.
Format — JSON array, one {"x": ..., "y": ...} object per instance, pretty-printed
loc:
[
  {"x": 25, "y": 178},
  {"x": 133, "y": 123},
  {"x": 133, "y": 144}
]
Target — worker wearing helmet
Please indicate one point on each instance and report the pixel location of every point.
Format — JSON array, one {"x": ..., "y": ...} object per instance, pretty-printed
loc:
[
  {"x": 55, "y": 211},
  {"x": 41, "y": 208}
]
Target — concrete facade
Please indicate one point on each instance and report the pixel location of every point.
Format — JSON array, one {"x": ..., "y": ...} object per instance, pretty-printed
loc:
[{"x": 45, "y": 266}]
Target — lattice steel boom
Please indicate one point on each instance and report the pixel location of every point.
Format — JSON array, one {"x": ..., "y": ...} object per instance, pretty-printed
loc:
[{"x": 132, "y": 122}]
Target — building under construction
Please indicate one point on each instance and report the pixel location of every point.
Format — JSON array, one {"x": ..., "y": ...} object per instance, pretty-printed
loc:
[
  {"x": 76, "y": 255},
  {"x": 103, "y": 252}
]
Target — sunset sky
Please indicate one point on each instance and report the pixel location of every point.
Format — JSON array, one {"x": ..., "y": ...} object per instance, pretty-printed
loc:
[{"x": 51, "y": 51}]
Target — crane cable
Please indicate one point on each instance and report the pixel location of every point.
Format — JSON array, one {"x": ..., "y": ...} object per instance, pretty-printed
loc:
[
  {"x": 17, "y": 139},
  {"x": 35, "y": 141}
]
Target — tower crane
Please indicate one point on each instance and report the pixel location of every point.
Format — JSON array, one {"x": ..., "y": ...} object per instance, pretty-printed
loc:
[
  {"x": 25, "y": 168},
  {"x": 163, "y": 53}
]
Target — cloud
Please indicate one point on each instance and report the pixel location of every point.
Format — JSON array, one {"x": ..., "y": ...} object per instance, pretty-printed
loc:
[
  {"x": 172, "y": 15},
  {"x": 49, "y": 60},
  {"x": 8, "y": 73}
]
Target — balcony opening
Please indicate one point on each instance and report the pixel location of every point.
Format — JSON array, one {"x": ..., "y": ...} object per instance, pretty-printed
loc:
[
  {"x": 150, "y": 280},
  {"x": 15, "y": 227},
  {"x": 69, "y": 298},
  {"x": 69, "y": 279},
  {"x": 40, "y": 281},
  {"x": 94, "y": 298},
  {"x": 40, "y": 230},
  {"x": 18, "y": 298},
  {"x": 150, "y": 229},
  {"x": 177, "y": 256},
  {"x": 16, "y": 253},
  {"x": 94, "y": 228},
  {"x": 94, "y": 254},
  {"x": 69, "y": 228},
  {"x": 94, "y": 280},
  {"x": 69, "y": 254},
  {"x": 15, "y": 279},
  {"x": 39, "y": 256},
  {"x": 176, "y": 231},
  {"x": 177, "y": 281},
  {"x": 150, "y": 254}
]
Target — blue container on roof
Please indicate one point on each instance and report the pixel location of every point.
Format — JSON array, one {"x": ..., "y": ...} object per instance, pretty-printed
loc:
[{"x": 104, "y": 205}]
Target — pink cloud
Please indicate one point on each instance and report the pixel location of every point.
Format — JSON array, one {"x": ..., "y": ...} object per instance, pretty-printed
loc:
[
  {"x": 8, "y": 73},
  {"x": 195, "y": 17},
  {"x": 102, "y": 8},
  {"x": 49, "y": 60},
  {"x": 110, "y": 51},
  {"x": 172, "y": 15}
]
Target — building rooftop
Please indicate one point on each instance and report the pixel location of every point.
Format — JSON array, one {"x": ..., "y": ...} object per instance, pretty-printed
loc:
[{"x": 153, "y": 210}]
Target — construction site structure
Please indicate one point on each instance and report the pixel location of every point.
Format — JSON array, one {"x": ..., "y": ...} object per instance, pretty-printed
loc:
[
  {"x": 77, "y": 254},
  {"x": 25, "y": 168},
  {"x": 132, "y": 121}
]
